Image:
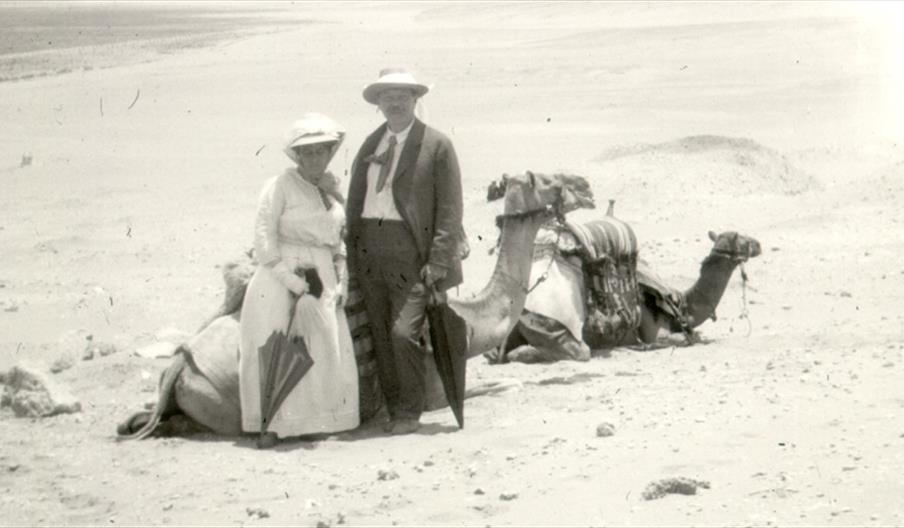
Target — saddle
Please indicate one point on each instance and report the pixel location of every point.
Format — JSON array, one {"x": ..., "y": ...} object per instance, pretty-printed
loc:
[{"x": 608, "y": 250}]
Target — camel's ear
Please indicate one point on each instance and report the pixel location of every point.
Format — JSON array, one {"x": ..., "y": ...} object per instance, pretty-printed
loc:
[
  {"x": 712, "y": 236},
  {"x": 496, "y": 189},
  {"x": 533, "y": 179}
]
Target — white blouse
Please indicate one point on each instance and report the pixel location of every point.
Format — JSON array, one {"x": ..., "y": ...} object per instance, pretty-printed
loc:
[{"x": 291, "y": 212}]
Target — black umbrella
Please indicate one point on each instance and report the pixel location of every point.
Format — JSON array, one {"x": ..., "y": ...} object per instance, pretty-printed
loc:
[
  {"x": 449, "y": 339},
  {"x": 283, "y": 361}
]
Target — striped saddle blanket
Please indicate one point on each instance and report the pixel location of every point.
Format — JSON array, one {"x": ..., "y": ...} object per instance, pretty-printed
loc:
[
  {"x": 606, "y": 238},
  {"x": 370, "y": 395},
  {"x": 608, "y": 251}
]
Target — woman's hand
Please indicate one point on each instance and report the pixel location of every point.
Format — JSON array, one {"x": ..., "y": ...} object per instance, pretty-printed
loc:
[{"x": 297, "y": 285}]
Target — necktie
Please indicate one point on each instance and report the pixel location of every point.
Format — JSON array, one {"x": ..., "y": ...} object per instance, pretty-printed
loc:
[{"x": 386, "y": 157}]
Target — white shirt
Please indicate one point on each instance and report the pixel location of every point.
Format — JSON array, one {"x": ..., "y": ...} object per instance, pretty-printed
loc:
[{"x": 381, "y": 204}]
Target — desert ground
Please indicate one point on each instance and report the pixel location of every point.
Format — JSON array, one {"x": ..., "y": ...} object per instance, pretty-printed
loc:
[{"x": 782, "y": 121}]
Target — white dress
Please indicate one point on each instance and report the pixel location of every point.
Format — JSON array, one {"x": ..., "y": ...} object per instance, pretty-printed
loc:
[{"x": 293, "y": 226}]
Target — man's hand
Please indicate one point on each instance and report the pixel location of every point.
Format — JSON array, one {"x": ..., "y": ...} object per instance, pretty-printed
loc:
[
  {"x": 432, "y": 273},
  {"x": 342, "y": 297},
  {"x": 342, "y": 276}
]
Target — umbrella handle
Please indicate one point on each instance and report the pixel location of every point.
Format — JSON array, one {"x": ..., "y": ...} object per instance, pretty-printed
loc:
[
  {"x": 437, "y": 296},
  {"x": 292, "y": 306}
]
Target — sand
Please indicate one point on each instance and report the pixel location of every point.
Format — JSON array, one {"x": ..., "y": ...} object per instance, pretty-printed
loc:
[{"x": 780, "y": 121}]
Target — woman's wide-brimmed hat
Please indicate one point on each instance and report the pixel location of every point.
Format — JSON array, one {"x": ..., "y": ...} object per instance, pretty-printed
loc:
[
  {"x": 393, "y": 78},
  {"x": 313, "y": 128}
]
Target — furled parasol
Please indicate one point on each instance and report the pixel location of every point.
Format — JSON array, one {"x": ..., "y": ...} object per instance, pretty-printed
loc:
[
  {"x": 449, "y": 339},
  {"x": 284, "y": 360}
]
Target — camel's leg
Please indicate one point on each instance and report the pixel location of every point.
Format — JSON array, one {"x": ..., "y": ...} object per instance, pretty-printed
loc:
[
  {"x": 495, "y": 356},
  {"x": 649, "y": 325},
  {"x": 166, "y": 402},
  {"x": 530, "y": 354},
  {"x": 134, "y": 423},
  {"x": 544, "y": 340},
  {"x": 513, "y": 340},
  {"x": 493, "y": 386},
  {"x": 542, "y": 354}
]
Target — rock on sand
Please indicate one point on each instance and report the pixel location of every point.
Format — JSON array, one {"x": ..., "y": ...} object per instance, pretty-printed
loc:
[{"x": 31, "y": 392}]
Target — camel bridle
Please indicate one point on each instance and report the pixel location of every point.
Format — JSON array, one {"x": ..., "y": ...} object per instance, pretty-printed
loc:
[
  {"x": 738, "y": 256},
  {"x": 736, "y": 253},
  {"x": 555, "y": 210}
]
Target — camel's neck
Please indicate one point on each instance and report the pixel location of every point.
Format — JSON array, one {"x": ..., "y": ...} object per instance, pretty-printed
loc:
[
  {"x": 492, "y": 313},
  {"x": 705, "y": 294}
]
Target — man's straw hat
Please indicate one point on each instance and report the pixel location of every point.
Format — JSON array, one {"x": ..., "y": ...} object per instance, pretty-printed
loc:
[{"x": 393, "y": 78}]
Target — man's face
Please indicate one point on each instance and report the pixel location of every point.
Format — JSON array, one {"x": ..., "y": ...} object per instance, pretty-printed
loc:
[{"x": 397, "y": 104}]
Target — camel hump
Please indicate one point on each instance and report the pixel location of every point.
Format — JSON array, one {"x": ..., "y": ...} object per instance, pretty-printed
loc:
[{"x": 236, "y": 276}]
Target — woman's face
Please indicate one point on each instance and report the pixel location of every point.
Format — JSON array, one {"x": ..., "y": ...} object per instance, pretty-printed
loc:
[{"x": 313, "y": 159}]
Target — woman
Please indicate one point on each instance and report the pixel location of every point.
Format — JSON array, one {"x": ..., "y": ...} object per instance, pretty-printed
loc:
[{"x": 299, "y": 226}]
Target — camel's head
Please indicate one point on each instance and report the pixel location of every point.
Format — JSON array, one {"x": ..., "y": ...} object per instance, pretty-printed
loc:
[
  {"x": 734, "y": 246},
  {"x": 534, "y": 192}
]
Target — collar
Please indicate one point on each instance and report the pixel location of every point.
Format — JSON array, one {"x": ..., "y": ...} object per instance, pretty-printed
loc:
[
  {"x": 400, "y": 136},
  {"x": 297, "y": 176}
]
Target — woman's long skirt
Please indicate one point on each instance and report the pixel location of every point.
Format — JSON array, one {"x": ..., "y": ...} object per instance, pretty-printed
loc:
[{"x": 326, "y": 398}]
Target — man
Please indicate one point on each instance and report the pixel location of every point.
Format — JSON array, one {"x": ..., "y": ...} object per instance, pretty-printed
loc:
[{"x": 404, "y": 233}]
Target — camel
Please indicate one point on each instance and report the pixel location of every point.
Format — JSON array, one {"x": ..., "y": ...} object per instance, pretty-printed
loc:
[
  {"x": 202, "y": 380},
  {"x": 662, "y": 308},
  {"x": 665, "y": 308}
]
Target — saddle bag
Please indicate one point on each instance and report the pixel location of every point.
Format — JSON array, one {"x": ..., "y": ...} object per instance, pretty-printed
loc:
[
  {"x": 608, "y": 252},
  {"x": 613, "y": 303}
]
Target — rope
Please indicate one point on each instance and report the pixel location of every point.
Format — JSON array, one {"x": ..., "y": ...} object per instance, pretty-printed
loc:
[
  {"x": 552, "y": 258},
  {"x": 542, "y": 277},
  {"x": 745, "y": 314},
  {"x": 547, "y": 209}
]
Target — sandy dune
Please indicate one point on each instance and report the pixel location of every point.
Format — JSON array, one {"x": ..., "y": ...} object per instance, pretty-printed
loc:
[{"x": 776, "y": 120}]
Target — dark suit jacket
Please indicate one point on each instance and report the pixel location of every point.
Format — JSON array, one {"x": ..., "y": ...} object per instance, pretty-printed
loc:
[{"x": 426, "y": 190}]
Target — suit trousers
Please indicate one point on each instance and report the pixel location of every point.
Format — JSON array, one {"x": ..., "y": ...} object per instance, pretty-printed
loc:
[{"x": 387, "y": 266}]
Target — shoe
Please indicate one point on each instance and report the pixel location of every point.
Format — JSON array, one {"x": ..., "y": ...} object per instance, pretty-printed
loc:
[
  {"x": 402, "y": 426},
  {"x": 267, "y": 440}
]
